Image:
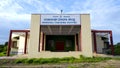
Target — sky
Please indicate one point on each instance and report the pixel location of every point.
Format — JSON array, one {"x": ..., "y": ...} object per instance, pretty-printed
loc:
[{"x": 16, "y": 14}]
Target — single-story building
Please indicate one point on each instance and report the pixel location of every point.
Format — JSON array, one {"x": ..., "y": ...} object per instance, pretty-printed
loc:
[{"x": 60, "y": 35}]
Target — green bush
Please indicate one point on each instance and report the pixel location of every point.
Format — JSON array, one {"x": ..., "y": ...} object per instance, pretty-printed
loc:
[
  {"x": 54, "y": 60},
  {"x": 20, "y": 60},
  {"x": 36, "y": 61},
  {"x": 61, "y": 60},
  {"x": 3, "y": 49},
  {"x": 43, "y": 61},
  {"x": 3, "y": 54},
  {"x": 117, "y": 49},
  {"x": 68, "y": 58},
  {"x": 92, "y": 59},
  {"x": 28, "y": 61}
]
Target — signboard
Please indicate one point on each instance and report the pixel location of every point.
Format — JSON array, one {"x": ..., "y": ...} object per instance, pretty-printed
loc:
[{"x": 60, "y": 19}]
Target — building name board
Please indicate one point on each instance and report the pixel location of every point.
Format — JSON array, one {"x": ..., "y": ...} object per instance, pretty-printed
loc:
[{"x": 60, "y": 19}]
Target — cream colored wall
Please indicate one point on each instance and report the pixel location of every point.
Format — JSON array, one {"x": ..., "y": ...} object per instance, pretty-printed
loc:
[
  {"x": 48, "y": 54},
  {"x": 100, "y": 44},
  {"x": 21, "y": 45},
  {"x": 86, "y": 35},
  {"x": 92, "y": 42},
  {"x": 14, "y": 35},
  {"x": 34, "y": 34},
  {"x": 28, "y": 43},
  {"x": 44, "y": 42},
  {"x": 14, "y": 50},
  {"x": 41, "y": 40}
]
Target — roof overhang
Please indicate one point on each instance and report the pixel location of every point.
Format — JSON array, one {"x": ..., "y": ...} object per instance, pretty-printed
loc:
[
  {"x": 60, "y": 24},
  {"x": 60, "y": 29}
]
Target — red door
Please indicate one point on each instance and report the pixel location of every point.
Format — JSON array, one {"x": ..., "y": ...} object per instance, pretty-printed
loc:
[{"x": 60, "y": 45}]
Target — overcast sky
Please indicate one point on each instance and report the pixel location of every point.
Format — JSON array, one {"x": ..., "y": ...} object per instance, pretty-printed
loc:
[{"x": 15, "y": 14}]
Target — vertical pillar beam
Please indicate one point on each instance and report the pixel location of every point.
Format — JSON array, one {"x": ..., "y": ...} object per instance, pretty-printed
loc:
[
  {"x": 26, "y": 35},
  {"x": 43, "y": 42},
  {"x": 9, "y": 44},
  {"x": 111, "y": 40},
  {"x": 86, "y": 35},
  {"x": 76, "y": 38},
  {"x": 34, "y": 35},
  {"x": 75, "y": 43},
  {"x": 95, "y": 45},
  {"x": 80, "y": 40},
  {"x": 40, "y": 43}
]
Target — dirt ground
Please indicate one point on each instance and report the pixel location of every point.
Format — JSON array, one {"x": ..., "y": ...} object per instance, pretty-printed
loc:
[{"x": 105, "y": 64}]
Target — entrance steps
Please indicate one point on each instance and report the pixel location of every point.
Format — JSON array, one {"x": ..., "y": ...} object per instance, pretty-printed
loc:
[{"x": 48, "y": 54}]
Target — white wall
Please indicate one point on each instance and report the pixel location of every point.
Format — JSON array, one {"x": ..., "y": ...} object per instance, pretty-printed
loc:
[
  {"x": 86, "y": 39},
  {"x": 100, "y": 44},
  {"x": 14, "y": 35},
  {"x": 14, "y": 50},
  {"x": 28, "y": 43},
  {"x": 21, "y": 45},
  {"x": 34, "y": 34}
]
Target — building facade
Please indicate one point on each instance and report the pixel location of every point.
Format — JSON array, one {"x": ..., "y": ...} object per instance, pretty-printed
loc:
[{"x": 60, "y": 35}]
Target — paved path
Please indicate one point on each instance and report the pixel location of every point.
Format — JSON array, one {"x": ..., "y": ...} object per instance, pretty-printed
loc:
[{"x": 6, "y": 57}]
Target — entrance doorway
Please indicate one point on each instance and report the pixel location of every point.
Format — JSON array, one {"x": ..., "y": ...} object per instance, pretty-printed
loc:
[{"x": 60, "y": 45}]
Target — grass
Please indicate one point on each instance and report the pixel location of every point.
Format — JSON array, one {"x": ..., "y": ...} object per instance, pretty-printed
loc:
[
  {"x": 3, "y": 54},
  {"x": 3, "y": 49},
  {"x": 60, "y": 60}
]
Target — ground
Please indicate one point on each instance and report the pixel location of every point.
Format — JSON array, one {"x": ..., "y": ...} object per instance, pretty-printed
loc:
[{"x": 104, "y": 64}]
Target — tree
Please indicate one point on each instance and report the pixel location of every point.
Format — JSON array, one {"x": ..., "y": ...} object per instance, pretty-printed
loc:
[
  {"x": 3, "y": 49},
  {"x": 117, "y": 49}
]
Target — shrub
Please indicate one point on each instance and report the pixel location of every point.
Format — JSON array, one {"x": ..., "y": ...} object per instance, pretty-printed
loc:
[
  {"x": 28, "y": 61},
  {"x": 92, "y": 59},
  {"x": 54, "y": 60},
  {"x": 61, "y": 60},
  {"x": 67, "y": 58},
  {"x": 3, "y": 54},
  {"x": 43, "y": 61},
  {"x": 36, "y": 61},
  {"x": 20, "y": 60},
  {"x": 3, "y": 49},
  {"x": 117, "y": 49}
]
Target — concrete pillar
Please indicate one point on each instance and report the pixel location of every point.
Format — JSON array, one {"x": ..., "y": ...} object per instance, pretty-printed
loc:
[
  {"x": 111, "y": 41},
  {"x": 86, "y": 39},
  {"x": 95, "y": 42},
  {"x": 25, "y": 47},
  {"x": 79, "y": 39},
  {"x": 75, "y": 43},
  {"x": 34, "y": 35},
  {"x": 44, "y": 42},
  {"x": 41, "y": 41},
  {"x": 9, "y": 44}
]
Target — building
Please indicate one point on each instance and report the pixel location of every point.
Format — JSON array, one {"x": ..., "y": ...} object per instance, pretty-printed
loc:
[{"x": 60, "y": 35}]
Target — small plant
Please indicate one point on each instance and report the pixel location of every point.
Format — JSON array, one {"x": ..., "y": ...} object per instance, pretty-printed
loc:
[
  {"x": 2, "y": 54},
  {"x": 28, "y": 61},
  {"x": 61, "y": 60},
  {"x": 20, "y": 60}
]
